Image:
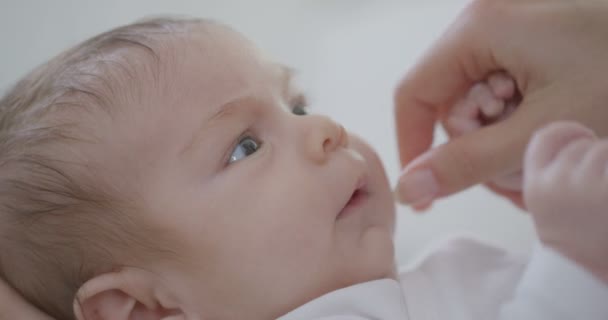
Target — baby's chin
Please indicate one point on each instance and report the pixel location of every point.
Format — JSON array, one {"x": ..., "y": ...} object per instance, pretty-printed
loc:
[{"x": 378, "y": 262}]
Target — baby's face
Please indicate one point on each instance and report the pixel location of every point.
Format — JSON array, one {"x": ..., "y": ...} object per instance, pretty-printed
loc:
[{"x": 269, "y": 208}]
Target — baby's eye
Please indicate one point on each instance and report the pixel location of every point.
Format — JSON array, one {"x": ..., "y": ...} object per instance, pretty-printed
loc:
[
  {"x": 244, "y": 148},
  {"x": 299, "y": 110},
  {"x": 299, "y": 106}
]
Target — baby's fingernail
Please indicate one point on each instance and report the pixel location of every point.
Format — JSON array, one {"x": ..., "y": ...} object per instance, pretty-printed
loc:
[{"x": 419, "y": 186}]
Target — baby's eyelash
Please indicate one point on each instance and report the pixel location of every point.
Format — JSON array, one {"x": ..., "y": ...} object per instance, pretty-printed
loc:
[{"x": 245, "y": 135}]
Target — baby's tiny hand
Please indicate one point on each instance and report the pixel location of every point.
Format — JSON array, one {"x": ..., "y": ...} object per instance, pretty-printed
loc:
[
  {"x": 566, "y": 191},
  {"x": 487, "y": 103}
]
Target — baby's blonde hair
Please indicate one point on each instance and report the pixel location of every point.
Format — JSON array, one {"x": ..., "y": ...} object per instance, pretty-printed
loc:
[{"x": 59, "y": 224}]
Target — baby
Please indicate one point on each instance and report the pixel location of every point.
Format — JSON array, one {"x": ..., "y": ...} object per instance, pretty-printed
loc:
[{"x": 169, "y": 170}]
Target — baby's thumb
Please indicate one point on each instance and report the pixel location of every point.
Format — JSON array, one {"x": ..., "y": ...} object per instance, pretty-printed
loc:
[{"x": 463, "y": 162}]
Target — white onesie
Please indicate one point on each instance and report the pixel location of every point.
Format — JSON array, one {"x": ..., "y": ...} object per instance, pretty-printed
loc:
[{"x": 465, "y": 279}]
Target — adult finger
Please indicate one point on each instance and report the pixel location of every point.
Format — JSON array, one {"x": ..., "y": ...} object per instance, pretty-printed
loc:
[
  {"x": 461, "y": 57},
  {"x": 467, "y": 160}
]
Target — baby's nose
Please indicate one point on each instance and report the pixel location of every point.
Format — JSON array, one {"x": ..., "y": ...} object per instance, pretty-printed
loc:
[{"x": 324, "y": 136}]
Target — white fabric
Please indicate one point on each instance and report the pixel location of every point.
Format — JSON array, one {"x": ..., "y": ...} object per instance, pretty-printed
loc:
[{"x": 465, "y": 279}]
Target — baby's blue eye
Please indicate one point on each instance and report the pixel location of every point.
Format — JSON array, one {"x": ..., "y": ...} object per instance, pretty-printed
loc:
[
  {"x": 299, "y": 105},
  {"x": 299, "y": 110},
  {"x": 244, "y": 148}
]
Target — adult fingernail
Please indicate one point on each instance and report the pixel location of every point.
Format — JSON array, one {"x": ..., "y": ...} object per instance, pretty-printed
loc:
[{"x": 419, "y": 186}]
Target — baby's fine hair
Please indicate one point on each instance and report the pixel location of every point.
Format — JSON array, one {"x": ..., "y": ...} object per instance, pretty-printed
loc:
[{"x": 61, "y": 223}]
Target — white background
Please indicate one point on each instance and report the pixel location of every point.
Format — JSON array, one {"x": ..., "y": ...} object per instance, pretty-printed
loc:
[{"x": 349, "y": 54}]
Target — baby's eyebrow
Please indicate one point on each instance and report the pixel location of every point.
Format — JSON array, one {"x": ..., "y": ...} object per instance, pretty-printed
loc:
[
  {"x": 225, "y": 111},
  {"x": 285, "y": 77},
  {"x": 232, "y": 107}
]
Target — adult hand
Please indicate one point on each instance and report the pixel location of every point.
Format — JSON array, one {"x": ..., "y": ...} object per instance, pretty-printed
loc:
[
  {"x": 555, "y": 50},
  {"x": 12, "y": 306}
]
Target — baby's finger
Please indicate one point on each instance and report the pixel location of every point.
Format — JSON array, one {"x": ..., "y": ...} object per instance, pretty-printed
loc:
[
  {"x": 502, "y": 85},
  {"x": 465, "y": 108},
  {"x": 458, "y": 126},
  {"x": 490, "y": 106},
  {"x": 547, "y": 143},
  {"x": 510, "y": 107},
  {"x": 573, "y": 153},
  {"x": 595, "y": 162},
  {"x": 462, "y": 117}
]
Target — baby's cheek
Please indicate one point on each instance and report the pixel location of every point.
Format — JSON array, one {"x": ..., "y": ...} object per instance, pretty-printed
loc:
[{"x": 380, "y": 186}]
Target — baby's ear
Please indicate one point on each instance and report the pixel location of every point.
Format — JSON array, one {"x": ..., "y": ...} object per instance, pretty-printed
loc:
[{"x": 126, "y": 294}]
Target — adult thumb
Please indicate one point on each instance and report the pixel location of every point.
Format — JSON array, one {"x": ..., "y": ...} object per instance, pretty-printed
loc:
[{"x": 470, "y": 159}]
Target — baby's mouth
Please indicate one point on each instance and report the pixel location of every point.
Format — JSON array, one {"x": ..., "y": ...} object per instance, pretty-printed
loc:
[{"x": 357, "y": 198}]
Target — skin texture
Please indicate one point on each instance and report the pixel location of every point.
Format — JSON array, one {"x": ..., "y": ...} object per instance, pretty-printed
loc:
[
  {"x": 252, "y": 238},
  {"x": 562, "y": 79}
]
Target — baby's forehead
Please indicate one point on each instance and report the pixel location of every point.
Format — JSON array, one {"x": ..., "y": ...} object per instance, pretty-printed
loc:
[
  {"x": 200, "y": 65},
  {"x": 222, "y": 58},
  {"x": 190, "y": 73},
  {"x": 216, "y": 67}
]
